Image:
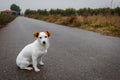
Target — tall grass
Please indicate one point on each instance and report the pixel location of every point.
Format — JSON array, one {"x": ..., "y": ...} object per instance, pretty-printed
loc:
[
  {"x": 109, "y": 25},
  {"x": 5, "y": 19}
]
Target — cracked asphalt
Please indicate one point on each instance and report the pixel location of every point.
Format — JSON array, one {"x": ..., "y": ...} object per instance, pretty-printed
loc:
[{"x": 74, "y": 54}]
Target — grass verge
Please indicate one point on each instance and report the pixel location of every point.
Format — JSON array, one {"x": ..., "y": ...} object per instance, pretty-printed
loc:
[
  {"x": 108, "y": 25},
  {"x": 5, "y": 19}
]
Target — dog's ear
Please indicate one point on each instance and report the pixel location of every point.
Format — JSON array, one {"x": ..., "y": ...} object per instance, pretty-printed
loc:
[
  {"x": 48, "y": 33},
  {"x": 36, "y": 34}
]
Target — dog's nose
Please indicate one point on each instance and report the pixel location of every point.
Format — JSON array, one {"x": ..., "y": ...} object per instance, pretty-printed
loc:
[{"x": 44, "y": 42}]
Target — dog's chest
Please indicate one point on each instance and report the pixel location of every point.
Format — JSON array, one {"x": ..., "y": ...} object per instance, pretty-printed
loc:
[{"x": 41, "y": 50}]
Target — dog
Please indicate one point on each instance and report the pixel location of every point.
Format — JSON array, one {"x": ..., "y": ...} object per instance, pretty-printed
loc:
[{"x": 31, "y": 52}]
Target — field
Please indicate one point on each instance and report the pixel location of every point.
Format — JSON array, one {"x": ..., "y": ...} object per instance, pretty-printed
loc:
[{"x": 107, "y": 25}]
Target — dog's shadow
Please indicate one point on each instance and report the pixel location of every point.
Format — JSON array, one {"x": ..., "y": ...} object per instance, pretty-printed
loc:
[{"x": 31, "y": 75}]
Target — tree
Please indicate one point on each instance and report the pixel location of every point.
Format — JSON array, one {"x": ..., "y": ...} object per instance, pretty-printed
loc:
[
  {"x": 15, "y": 8},
  {"x": 70, "y": 11},
  {"x": 117, "y": 11},
  {"x": 27, "y": 11}
]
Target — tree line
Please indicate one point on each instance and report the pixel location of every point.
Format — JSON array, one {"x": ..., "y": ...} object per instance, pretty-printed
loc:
[{"x": 72, "y": 11}]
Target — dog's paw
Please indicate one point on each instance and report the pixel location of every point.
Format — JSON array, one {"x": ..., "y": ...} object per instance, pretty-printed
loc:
[
  {"x": 29, "y": 68},
  {"x": 41, "y": 63},
  {"x": 37, "y": 70}
]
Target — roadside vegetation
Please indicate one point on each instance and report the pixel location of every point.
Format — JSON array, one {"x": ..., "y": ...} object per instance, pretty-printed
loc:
[
  {"x": 5, "y": 19},
  {"x": 102, "y": 20}
]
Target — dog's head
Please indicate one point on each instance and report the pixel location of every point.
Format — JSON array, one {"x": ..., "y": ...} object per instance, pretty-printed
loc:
[{"x": 42, "y": 37}]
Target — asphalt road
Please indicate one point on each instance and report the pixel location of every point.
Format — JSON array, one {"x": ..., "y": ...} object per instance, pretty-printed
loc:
[{"x": 74, "y": 54}]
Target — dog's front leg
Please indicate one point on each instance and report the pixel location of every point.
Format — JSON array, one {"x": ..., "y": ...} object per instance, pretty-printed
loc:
[
  {"x": 41, "y": 62},
  {"x": 34, "y": 58}
]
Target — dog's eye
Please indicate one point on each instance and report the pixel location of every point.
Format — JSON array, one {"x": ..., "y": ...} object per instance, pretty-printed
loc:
[
  {"x": 45, "y": 36},
  {"x": 40, "y": 37}
]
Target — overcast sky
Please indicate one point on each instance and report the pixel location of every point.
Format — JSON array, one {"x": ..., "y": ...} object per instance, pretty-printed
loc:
[{"x": 63, "y": 4}]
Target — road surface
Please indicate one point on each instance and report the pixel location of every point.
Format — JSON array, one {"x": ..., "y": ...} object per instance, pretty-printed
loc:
[{"x": 74, "y": 54}]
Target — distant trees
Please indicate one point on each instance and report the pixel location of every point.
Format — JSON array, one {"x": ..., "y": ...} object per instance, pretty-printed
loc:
[
  {"x": 72, "y": 11},
  {"x": 42, "y": 12},
  {"x": 15, "y": 8},
  {"x": 28, "y": 11},
  {"x": 56, "y": 12},
  {"x": 117, "y": 11}
]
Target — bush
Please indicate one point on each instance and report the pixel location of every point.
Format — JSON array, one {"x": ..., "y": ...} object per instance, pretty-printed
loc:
[{"x": 6, "y": 18}]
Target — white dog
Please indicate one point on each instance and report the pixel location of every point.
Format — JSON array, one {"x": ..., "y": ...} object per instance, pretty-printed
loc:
[{"x": 30, "y": 53}]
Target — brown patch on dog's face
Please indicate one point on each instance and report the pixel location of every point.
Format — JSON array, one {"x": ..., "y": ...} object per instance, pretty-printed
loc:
[
  {"x": 48, "y": 33},
  {"x": 36, "y": 34}
]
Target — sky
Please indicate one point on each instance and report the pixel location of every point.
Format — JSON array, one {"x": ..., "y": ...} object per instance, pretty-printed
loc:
[{"x": 62, "y": 4}]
